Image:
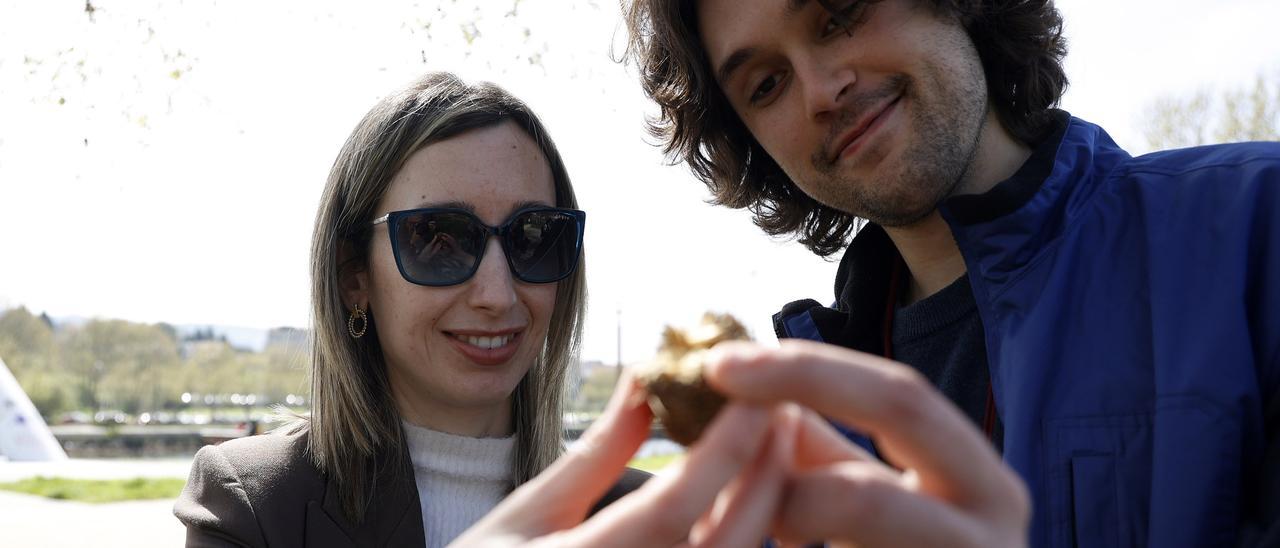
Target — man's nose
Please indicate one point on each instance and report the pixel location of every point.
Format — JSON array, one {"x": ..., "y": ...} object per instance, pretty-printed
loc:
[
  {"x": 825, "y": 84},
  {"x": 493, "y": 286}
]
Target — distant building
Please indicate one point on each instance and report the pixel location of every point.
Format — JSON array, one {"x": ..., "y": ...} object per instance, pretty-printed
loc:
[
  {"x": 591, "y": 365},
  {"x": 189, "y": 348},
  {"x": 290, "y": 337}
]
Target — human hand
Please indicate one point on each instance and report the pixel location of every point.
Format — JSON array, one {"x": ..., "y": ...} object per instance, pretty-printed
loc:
[
  {"x": 699, "y": 501},
  {"x": 950, "y": 487}
]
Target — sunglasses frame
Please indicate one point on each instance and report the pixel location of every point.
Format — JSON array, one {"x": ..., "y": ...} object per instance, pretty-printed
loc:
[{"x": 393, "y": 218}]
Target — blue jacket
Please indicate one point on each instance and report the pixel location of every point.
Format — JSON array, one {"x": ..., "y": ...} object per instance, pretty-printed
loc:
[{"x": 1131, "y": 309}]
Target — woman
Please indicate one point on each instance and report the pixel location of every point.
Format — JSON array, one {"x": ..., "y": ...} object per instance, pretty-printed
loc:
[{"x": 448, "y": 302}]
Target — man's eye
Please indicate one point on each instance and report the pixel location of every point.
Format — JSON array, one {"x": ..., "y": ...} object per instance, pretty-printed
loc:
[{"x": 764, "y": 89}]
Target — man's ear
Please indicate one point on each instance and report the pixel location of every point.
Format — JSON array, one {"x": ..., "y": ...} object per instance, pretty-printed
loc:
[{"x": 353, "y": 276}]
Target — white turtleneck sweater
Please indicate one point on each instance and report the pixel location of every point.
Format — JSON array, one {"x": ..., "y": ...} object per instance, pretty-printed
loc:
[{"x": 460, "y": 479}]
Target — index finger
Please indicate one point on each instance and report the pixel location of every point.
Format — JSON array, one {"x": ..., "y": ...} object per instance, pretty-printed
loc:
[
  {"x": 592, "y": 465},
  {"x": 913, "y": 424},
  {"x": 664, "y": 509}
]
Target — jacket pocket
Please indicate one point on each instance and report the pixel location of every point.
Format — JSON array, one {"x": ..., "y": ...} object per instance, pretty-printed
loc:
[
  {"x": 1095, "y": 512},
  {"x": 1099, "y": 481}
]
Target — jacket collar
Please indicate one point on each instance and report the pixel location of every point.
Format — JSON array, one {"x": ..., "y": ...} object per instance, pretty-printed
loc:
[
  {"x": 1012, "y": 193},
  {"x": 394, "y": 516},
  {"x": 1001, "y": 231},
  {"x": 863, "y": 279},
  {"x": 862, "y": 292}
]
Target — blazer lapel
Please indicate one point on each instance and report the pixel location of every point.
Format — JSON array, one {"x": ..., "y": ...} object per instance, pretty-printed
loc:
[
  {"x": 322, "y": 531},
  {"x": 394, "y": 517}
]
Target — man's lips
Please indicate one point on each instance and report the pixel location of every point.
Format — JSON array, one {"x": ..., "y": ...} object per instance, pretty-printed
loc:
[{"x": 857, "y": 130}]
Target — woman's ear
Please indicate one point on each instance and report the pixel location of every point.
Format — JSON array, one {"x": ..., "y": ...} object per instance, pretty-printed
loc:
[{"x": 353, "y": 276}]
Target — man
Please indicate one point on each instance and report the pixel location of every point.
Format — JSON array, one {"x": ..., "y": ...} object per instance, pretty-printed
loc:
[{"x": 1112, "y": 324}]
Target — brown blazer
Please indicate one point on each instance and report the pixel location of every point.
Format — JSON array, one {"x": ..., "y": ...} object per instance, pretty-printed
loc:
[{"x": 264, "y": 491}]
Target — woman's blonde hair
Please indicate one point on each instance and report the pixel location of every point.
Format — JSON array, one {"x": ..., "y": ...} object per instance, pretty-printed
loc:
[{"x": 354, "y": 423}]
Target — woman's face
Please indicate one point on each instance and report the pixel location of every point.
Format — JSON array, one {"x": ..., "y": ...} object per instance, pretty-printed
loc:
[{"x": 461, "y": 350}]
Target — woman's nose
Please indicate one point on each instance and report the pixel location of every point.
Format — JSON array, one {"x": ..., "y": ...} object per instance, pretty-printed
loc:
[{"x": 493, "y": 286}]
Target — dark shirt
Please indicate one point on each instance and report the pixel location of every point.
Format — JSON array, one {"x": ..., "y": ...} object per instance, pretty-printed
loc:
[{"x": 941, "y": 336}]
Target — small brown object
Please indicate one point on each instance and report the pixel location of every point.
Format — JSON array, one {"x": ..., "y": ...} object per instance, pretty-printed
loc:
[{"x": 678, "y": 394}]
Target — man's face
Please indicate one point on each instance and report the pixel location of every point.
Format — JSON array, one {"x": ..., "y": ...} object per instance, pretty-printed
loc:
[{"x": 881, "y": 122}]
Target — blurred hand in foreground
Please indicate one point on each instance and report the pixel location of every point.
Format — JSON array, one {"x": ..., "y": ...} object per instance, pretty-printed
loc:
[
  {"x": 771, "y": 464},
  {"x": 947, "y": 485},
  {"x": 702, "y": 500}
]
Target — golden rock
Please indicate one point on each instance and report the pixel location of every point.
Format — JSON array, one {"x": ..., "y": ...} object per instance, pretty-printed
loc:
[{"x": 677, "y": 392}]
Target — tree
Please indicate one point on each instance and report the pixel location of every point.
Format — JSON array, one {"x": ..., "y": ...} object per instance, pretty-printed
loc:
[
  {"x": 1204, "y": 117},
  {"x": 120, "y": 363},
  {"x": 26, "y": 341},
  {"x": 284, "y": 369},
  {"x": 128, "y": 64},
  {"x": 133, "y": 367},
  {"x": 28, "y": 347},
  {"x": 213, "y": 367},
  {"x": 597, "y": 387}
]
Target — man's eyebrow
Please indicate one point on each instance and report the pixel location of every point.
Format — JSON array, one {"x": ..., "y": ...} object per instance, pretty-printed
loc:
[
  {"x": 741, "y": 56},
  {"x": 735, "y": 60}
]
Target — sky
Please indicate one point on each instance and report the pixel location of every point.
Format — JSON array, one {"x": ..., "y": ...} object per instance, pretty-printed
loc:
[{"x": 164, "y": 160}]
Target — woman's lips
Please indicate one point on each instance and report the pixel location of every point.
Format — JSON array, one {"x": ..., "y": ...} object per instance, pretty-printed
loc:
[{"x": 488, "y": 349}]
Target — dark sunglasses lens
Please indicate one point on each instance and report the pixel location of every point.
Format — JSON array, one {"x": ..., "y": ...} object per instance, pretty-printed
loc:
[
  {"x": 543, "y": 245},
  {"x": 439, "y": 248}
]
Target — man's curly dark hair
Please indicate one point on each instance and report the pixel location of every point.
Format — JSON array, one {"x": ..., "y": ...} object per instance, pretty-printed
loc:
[{"x": 1020, "y": 44}]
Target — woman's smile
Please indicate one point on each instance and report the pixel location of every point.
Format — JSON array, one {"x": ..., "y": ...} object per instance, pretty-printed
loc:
[{"x": 486, "y": 349}]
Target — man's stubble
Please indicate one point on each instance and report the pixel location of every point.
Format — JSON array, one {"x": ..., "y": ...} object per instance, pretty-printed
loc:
[{"x": 943, "y": 134}]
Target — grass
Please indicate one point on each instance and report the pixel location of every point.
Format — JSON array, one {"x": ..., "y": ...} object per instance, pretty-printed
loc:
[
  {"x": 653, "y": 464},
  {"x": 98, "y": 491},
  {"x": 103, "y": 491}
]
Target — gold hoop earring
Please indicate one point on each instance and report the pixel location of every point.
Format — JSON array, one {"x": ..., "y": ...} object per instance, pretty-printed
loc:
[{"x": 351, "y": 323}]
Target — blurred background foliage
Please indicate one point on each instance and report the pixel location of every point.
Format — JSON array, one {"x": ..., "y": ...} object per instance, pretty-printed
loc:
[
  {"x": 131, "y": 368},
  {"x": 1247, "y": 113},
  {"x": 75, "y": 370}
]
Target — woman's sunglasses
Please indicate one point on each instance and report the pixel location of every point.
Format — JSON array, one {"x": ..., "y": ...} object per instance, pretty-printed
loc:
[{"x": 443, "y": 246}]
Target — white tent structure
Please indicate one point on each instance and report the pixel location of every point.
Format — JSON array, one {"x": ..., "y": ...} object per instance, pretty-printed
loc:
[{"x": 23, "y": 434}]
